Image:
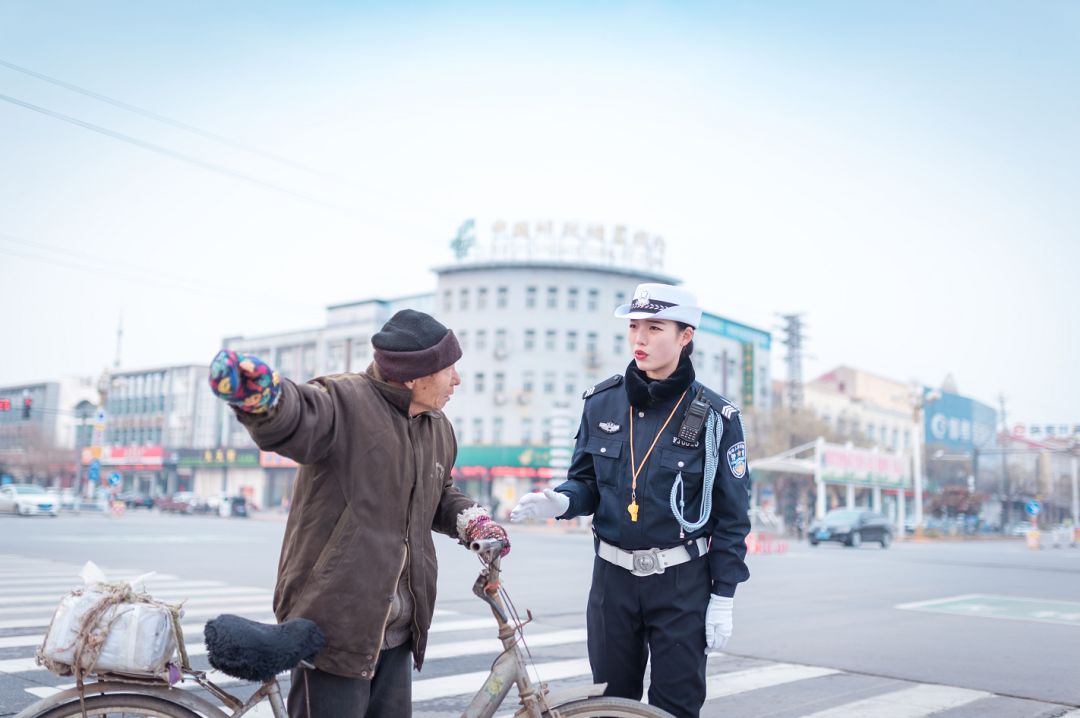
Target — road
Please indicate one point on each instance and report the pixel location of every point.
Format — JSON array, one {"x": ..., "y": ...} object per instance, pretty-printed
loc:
[{"x": 987, "y": 629}]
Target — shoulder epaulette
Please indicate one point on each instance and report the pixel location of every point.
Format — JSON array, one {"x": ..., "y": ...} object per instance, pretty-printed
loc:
[
  {"x": 613, "y": 380},
  {"x": 724, "y": 406}
]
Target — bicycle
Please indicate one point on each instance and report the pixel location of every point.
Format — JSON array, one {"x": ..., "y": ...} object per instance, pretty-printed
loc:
[{"x": 114, "y": 695}]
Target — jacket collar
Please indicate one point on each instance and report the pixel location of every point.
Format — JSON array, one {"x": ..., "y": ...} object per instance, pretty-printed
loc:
[
  {"x": 397, "y": 396},
  {"x": 643, "y": 391}
]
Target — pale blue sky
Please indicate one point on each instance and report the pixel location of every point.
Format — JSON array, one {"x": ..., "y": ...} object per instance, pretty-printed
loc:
[{"x": 905, "y": 173}]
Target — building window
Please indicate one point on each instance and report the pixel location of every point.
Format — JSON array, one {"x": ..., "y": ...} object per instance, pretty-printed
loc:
[
  {"x": 594, "y": 296},
  {"x": 553, "y": 298},
  {"x": 546, "y": 435},
  {"x": 530, "y": 340},
  {"x": 447, "y": 300},
  {"x": 571, "y": 298},
  {"x": 571, "y": 384},
  {"x": 571, "y": 341},
  {"x": 590, "y": 343},
  {"x": 620, "y": 299},
  {"x": 526, "y": 430},
  {"x": 895, "y": 439},
  {"x": 463, "y": 298},
  {"x": 619, "y": 346},
  {"x": 478, "y": 382},
  {"x": 501, "y": 297},
  {"x": 497, "y": 430},
  {"x": 527, "y": 382},
  {"x": 478, "y": 430},
  {"x": 481, "y": 298},
  {"x": 500, "y": 340},
  {"x": 870, "y": 433},
  {"x": 359, "y": 353},
  {"x": 500, "y": 382},
  {"x": 481, "y": 340},
  {"x": 463, "y": 338},
  {"x": 530, "y": 297},
  {"x": 549, "y": 382},
  {"x": 549, "y": 340}
]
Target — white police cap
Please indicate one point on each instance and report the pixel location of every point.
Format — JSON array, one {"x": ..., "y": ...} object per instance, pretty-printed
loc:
[{"x": 662, "y": 301}]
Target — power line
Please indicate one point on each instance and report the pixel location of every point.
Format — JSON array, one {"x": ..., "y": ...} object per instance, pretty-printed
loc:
[
  {"x": 173, "y": 154},
  {"x": 206, "y": 134}
]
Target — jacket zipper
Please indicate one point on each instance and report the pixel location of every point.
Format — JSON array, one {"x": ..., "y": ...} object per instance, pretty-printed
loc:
[{"x": 386, "y": 618}]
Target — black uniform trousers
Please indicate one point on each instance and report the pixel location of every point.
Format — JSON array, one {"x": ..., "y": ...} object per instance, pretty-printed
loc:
[
  {"x": 631, "y": 616},
  {"x": 387, "y": 695}
]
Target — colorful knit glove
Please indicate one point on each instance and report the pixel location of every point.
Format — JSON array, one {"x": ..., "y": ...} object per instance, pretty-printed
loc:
[
  {"x": 244, "y": 381},
  {"x": 483, "y": 527}
]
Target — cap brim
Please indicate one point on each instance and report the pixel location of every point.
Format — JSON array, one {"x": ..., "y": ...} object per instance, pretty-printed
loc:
[{"x": 686, "y": 315}]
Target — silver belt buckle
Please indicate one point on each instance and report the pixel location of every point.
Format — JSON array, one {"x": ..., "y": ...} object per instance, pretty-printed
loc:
[{"x": 647, "y": 562}]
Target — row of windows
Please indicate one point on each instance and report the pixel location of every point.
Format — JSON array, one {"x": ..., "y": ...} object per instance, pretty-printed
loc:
[
  {"x": 133, "y": 437},
  {"x": 549, "y": 383},
  {"x": 531, "y": 338},
  {"x": 572, "y": 299},
  {"x": 135, "y": 405},
  {"x": 888, "y": 437},
  {"x": 483, "y": 431}
]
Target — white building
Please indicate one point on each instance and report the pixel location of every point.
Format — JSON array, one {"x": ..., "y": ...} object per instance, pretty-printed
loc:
[{"x": 533, "y": 310}]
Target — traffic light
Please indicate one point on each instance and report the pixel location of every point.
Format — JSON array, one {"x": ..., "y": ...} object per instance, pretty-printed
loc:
[{"x": 27, "y": 402}]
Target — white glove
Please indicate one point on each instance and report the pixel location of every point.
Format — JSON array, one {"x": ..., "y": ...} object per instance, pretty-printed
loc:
[
  {"x": 547, "y": 505},
  {"x": 718, "y": 622}
]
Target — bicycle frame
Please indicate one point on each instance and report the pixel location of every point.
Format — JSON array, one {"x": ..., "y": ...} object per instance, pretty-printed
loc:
[
  {"x": 269, "y": 690},
  {"x": 510, "y": 667}
]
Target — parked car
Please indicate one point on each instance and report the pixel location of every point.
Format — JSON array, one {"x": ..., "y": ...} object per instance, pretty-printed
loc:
[
  {"x": 183, "y": 502},
  {"x": 135, "y": 499},
  {"x": 851, "y": 527},
  {"x": 27, "y": 500},
  {"x": 66, "y": 499},
  {"x": 233, "y": 506}
]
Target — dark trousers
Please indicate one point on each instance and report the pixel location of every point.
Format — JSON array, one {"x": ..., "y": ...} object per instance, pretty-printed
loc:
[
  {"x": 387, "y": 695},
  {"x": 630, "y": 617}
]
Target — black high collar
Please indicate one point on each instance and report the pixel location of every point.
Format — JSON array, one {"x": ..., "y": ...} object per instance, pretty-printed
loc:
[{"x": 643, "y": 391}]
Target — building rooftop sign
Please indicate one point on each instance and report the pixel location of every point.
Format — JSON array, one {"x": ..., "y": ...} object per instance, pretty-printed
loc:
[{"x": 569, "y": 242}]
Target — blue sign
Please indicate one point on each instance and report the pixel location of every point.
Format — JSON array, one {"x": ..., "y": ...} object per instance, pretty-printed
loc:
[
  {"x": 94, "y": 472},
  {"x": 958, "y": 423},
  {"x": 114, "y": 478},
  {"x": 1033, "y": 507}
]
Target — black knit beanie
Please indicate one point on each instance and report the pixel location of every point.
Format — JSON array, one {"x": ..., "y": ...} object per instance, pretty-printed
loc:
[{"x": 413, "y": 344}]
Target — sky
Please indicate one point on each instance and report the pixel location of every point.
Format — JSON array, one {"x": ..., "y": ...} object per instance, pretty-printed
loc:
[{"x": 903, "y": 173}]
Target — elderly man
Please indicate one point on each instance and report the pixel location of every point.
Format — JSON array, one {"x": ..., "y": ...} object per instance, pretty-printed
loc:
[{"x": 375, "y": 453}]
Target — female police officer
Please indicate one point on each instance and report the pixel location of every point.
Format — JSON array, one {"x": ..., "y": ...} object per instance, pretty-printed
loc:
[{"x": 660, "y": 462}]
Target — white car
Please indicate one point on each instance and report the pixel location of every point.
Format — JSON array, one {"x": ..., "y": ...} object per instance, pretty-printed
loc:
[{"x": 26, "y": 500}]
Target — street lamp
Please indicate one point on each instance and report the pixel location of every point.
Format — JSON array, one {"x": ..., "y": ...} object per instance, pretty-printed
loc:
[{"x": 920, "y": 398}]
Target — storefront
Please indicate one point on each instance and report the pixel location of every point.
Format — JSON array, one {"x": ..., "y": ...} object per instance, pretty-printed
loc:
[
  {"x": 223, "y": 472},
  {"x": 497, "y": 476}
]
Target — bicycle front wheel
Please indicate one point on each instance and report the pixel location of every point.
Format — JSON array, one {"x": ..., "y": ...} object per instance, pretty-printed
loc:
[
  {"x": 604, "y": 707},
  {"x": 121, "y": 705}
]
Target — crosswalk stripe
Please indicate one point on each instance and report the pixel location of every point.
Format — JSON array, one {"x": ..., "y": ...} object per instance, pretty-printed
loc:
[
  {"x": 915, "y": 702},
  {"x": 728, "y": 684},
  {"x": 188, "y": 602},
  {"x": 42, "y": 620},
  {"x": 72, "y": 579},
  {"x": 466, "y": 683},
  {"x": 38, "y": 593},
  {"x": 494, "y": 646},
  {"x": 470, "y": 624}
]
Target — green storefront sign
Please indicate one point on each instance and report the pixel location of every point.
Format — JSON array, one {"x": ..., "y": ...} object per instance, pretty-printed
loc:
[
  {"x": 217, "y": 458},
  {"x": 527, "y": 456}
]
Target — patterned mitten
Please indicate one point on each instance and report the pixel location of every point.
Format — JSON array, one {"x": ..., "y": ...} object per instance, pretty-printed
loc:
[
  {"x": 483, "y": 527},
  {"x": 244, "y": 381}
]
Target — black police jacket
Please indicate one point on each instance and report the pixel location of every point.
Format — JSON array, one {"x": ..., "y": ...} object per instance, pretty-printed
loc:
[{"x": 600, "y": 478}]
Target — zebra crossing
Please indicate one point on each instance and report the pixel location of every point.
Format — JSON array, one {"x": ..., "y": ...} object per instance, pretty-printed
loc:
[{"x": 462, "y": 647}]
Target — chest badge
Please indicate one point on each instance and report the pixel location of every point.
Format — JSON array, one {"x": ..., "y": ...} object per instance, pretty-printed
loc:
[{"x": 609, "y": 427}]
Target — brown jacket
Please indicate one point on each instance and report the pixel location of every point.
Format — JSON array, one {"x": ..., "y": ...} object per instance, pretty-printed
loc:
[{"x": 372, "y": 485}]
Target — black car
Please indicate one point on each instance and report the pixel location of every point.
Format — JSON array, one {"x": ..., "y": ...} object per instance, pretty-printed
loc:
[
  {"x": 851, "y": 527},
  {"x": 134, "y": 499}
]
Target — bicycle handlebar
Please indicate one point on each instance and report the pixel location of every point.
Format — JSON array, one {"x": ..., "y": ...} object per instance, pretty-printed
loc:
[{"x": 487, "y": 546}]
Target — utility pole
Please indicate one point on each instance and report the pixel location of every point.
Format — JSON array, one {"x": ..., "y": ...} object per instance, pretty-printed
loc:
[
  {"x": 119, "y": 340},
  {"x": 1006, "y": 485},
  {"x": 793, "y": 340}
]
